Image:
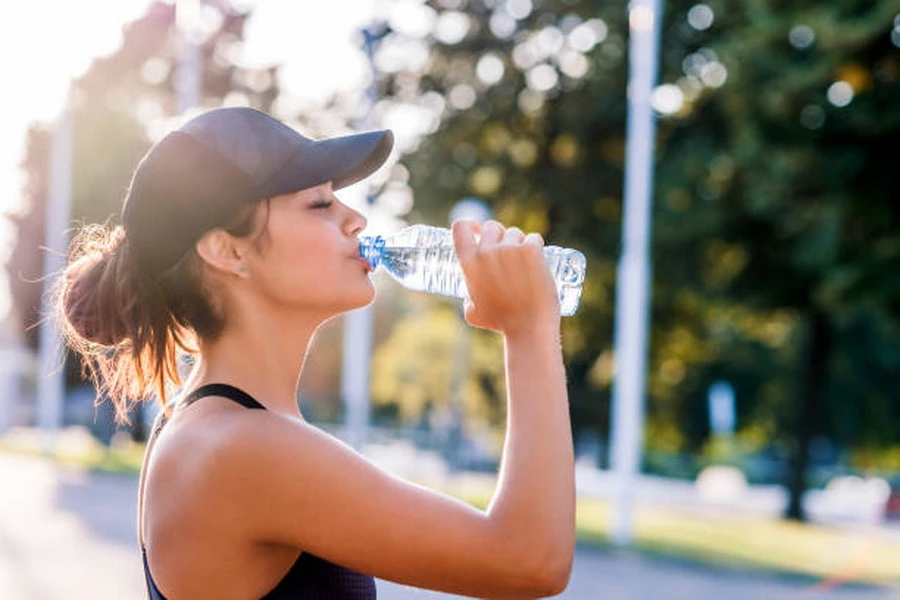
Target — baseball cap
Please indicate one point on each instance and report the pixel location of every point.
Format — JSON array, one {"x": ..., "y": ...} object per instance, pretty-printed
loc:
[{"x": 198, "y": 176}]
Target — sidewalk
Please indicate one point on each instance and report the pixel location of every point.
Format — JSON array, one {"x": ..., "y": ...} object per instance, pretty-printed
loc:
[{"x": 69, "y": 534}]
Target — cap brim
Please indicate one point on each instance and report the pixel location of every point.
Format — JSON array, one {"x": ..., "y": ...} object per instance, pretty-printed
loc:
[{"x": 341, "y": 160}]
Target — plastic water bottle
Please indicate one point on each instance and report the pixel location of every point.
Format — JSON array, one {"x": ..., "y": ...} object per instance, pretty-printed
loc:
[{"x": 423, "y": 258}]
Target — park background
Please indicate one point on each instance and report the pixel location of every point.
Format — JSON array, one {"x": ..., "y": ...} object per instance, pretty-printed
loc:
[{"x": 775, "y": 236}]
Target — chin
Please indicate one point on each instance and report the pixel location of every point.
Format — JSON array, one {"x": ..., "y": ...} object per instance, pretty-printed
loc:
[{"x": 359, "y": 300}]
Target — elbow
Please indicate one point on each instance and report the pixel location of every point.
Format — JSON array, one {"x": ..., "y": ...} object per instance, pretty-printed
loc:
[{"x": 550, "y": 575}]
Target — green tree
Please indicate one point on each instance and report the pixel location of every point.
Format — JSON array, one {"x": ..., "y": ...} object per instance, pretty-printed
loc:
[
  {"x": 120, "y": 104},
  {"x": 788, "y": 160},
  {"x": 775, "y": 207}
]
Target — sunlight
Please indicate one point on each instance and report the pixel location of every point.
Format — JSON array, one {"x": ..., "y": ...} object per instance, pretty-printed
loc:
[
  {"x": 54, "y": 41},
  {"x": 41, "y": 53}
]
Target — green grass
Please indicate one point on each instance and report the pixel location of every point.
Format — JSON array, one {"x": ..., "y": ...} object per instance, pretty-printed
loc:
[
  {"x": 831, "y": 555},
  {"x": 77, "y": 450}
]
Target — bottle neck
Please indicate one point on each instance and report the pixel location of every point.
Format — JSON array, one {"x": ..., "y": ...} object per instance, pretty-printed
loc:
[{"x": 371, "y": 249}]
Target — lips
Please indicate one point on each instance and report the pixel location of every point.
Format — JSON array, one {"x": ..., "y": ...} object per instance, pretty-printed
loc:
[{"x": 366, "y": 265}]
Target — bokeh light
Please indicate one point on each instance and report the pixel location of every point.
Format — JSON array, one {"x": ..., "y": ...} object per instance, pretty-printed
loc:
[
  {"x": 462, "y": 97},
  {"x": 587, "y": 35},
  {"x": 490, "y": 69},
  {"x": 412, "y": 19},
  {"x": 519, "y": 9},
  {"x": 700, "y": 17},
  {"x": 525, "y": 55},
  {"x": 667, "y": 99},
  {"x": 573, "y": 64},
  {"x": 542, "y": 78},
  {"x": 452, "y": 27},
  {"x": 713, "y": 74},
  {"x": 840, "y": 93},
  {"x": 502, "y": 25},
  {"x": 550, "y": 40},
  {"x": 801, "y": 36}
]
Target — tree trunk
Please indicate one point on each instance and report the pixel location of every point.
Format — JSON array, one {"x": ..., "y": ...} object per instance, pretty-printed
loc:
[{"x": 814, "y": 376}]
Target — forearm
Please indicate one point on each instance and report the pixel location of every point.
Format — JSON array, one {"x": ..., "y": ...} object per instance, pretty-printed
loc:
[{"x": 535, "y": 498}]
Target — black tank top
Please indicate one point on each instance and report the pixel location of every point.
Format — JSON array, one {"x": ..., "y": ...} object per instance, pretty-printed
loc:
[{"x": 310, "y": 578}]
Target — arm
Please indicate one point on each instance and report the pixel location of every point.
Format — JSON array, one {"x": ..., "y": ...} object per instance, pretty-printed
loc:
[
  {"x": 316, "y": 494},
  {"x": 537, "y": 484}
]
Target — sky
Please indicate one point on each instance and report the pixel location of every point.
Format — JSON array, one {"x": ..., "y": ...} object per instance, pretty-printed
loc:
[
  {"x": 41, "y": 51},
  {"x": 42, "y": 54}
]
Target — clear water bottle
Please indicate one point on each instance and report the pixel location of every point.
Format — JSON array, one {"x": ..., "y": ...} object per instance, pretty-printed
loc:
[{"x": 423, "y": 258}]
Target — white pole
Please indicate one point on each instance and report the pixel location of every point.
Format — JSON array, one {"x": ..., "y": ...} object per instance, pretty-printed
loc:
[
  {"x": 632, "y": 300},
  {"x": 358, "y": 324},
  {"x": 51, "y": 378},
  {"x": 188, "y": 77}
]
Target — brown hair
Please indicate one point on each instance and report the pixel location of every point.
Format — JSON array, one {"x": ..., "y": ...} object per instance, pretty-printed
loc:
[{"x": 130, "y": 326}]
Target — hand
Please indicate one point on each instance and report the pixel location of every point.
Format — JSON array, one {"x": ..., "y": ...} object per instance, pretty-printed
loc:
[{"x": 509, "y": 284}]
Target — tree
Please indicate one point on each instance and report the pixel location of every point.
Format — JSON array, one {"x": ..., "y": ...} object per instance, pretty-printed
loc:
[
  {"x": 775, "y": 208},
  {"x": 790, "y": 156},
  {"x": 121, "y": 104}
]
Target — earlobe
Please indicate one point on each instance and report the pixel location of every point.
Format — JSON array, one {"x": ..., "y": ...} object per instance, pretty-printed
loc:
[{"x": 219, "y": 250}]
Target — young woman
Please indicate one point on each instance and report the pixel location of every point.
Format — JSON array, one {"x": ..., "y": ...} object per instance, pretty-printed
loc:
[{"x": 234, "y": 248}]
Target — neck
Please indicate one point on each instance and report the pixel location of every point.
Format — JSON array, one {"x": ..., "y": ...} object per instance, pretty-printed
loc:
[{"x": 262, "y": 354}]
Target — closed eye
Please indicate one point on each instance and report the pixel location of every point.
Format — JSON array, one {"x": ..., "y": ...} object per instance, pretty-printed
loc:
[{"x": 321, "y": 204}]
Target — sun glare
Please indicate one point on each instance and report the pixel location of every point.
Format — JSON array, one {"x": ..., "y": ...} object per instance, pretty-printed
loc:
[{"x": 53, "y": 41}]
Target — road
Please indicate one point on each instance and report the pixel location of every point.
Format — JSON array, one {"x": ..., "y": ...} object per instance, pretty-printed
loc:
[{"x": 68, "y": 534}]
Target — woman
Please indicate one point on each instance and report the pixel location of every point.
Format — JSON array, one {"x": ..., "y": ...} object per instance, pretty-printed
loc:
[{"x": 234, "y": 249}]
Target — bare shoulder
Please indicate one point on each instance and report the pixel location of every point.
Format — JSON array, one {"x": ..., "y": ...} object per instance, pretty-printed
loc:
[{"x": 281, "y": 482}]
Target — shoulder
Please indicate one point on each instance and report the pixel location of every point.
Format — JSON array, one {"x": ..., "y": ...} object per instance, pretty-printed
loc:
[{"x": 235, "y": 454}]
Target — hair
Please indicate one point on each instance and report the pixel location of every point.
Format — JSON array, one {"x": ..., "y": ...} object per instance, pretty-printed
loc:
[{"x": 129, "y": 326}]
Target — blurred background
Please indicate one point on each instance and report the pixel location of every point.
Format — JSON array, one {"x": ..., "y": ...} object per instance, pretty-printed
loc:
[{"x": 766, "y": 429}]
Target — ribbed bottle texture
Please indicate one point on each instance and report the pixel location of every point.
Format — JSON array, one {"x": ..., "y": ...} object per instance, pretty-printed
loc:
[{"x": 422, "y": 258}]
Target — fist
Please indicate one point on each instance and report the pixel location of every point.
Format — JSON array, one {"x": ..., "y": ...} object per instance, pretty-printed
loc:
[{"x": 509, "y": 284}]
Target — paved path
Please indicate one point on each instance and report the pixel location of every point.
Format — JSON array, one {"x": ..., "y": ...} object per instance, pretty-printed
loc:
[{"x": 69, "y": 535}]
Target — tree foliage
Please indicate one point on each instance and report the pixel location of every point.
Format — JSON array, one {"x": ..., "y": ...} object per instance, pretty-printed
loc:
[
  {"x": 119, "y": 105},
  {"x": 775, "y": 212}
]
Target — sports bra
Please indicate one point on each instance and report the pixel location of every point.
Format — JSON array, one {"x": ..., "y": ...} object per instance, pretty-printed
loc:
[{"x": 310, "y": 578}]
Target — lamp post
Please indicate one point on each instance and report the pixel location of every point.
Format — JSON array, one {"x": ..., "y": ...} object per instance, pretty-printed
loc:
[
  {"x": 358, "y": 324},
  {"x": 51, "y": 378},
  {"x": 632, "y": 303}
]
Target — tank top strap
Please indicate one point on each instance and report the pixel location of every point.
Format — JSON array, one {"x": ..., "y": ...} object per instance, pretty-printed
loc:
[{"x": 225, "y": 391}]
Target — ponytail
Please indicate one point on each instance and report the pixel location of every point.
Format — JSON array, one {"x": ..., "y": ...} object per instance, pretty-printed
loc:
[{"x": 120, "y": 319}]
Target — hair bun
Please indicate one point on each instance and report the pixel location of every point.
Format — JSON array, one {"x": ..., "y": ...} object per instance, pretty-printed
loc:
[{"x": 95, "y": 295}]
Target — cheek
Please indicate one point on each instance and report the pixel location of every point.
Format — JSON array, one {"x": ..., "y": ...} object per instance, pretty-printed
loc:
[{"x": 313, "y": 273}]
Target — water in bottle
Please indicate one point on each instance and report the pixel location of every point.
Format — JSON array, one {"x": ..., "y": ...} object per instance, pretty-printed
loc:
[{"x": 423, "y": 258}]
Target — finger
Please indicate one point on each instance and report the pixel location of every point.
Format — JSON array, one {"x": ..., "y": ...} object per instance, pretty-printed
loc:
[
  {"x": 491, "y": 233},
  {"x": 464, "y": 239},
  {"x": 514, "y": 235},
  {"x": 535, "y": 239}
]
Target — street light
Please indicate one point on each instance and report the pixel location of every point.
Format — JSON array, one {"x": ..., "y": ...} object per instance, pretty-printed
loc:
[
  {"x": 632, "y": 303},
  {"x": 51, "y": 384},
  {"x": 358, "y": 324}
]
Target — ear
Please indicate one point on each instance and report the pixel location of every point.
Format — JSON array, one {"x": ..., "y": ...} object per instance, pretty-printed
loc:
[{"x": 223, "y": 252}]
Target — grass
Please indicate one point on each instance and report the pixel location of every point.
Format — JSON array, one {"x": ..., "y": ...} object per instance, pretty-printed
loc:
[
  {"x": 833, "y": 556},
  {"x": 830, "y": 555},
  {"x": 76, "y": 448}
]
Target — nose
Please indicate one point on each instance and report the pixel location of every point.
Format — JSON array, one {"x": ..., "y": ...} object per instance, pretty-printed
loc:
[{"x": 355, "y": 222}]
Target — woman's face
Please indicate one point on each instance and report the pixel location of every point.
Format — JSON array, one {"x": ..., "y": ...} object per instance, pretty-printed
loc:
[{"x": 307, "y": 255}]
